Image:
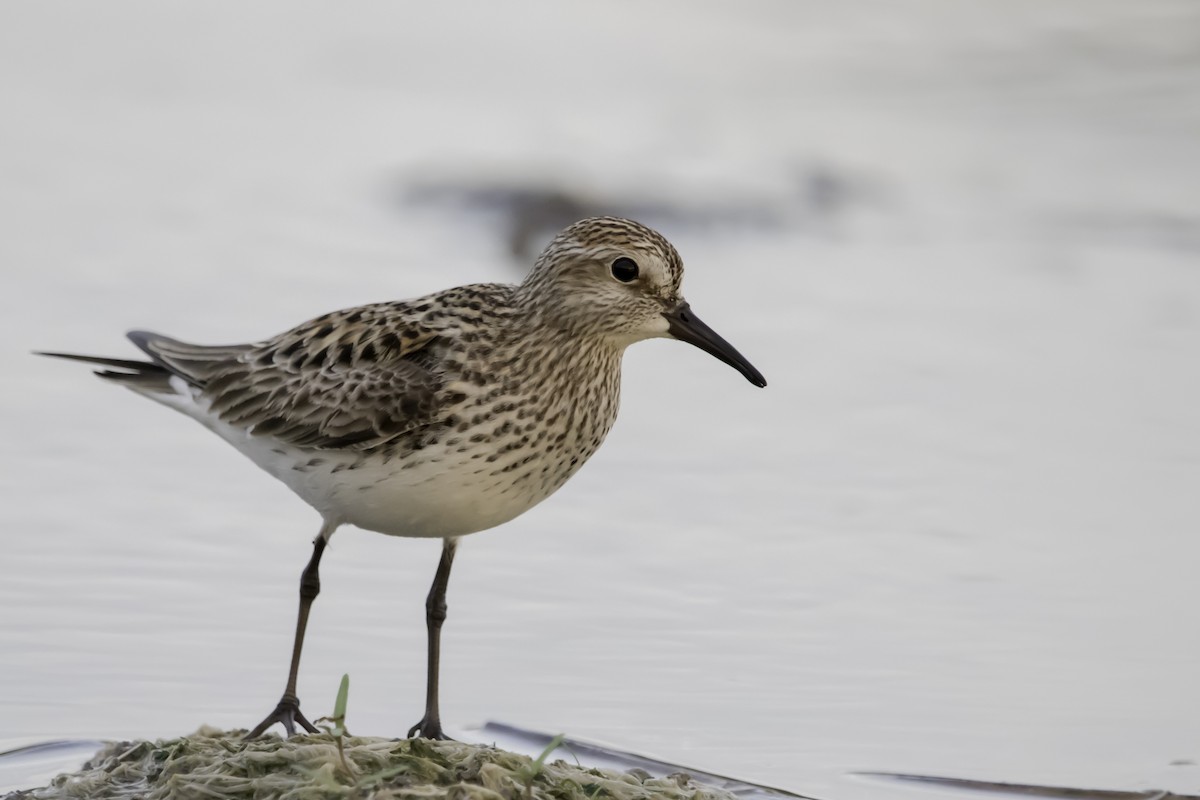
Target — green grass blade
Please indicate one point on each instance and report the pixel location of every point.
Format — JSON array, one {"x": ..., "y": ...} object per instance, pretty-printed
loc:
[
  {"x": 550, "y": 748},
  {"x": 339, "y": 707}
]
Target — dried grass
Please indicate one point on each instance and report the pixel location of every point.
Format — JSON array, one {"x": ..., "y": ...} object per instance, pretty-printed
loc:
[{"x": 217, "y": 765}]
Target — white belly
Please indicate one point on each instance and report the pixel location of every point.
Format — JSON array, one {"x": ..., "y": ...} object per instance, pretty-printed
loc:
[
  {"x": 430, "y": 494},
  {"x": 434, "y": 492},
  {"x": 436, "y": 496}
]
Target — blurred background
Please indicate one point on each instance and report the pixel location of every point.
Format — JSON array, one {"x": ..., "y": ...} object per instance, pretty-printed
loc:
[{"x": 955, "y": 535}]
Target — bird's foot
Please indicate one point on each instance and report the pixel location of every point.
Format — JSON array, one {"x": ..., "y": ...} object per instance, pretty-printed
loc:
[
  {"x": 429, "y": 730},
  {"x": 288, "y": 713}
]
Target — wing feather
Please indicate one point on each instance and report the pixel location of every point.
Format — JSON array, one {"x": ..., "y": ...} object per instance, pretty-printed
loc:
[{"x": 351, "y": 379}]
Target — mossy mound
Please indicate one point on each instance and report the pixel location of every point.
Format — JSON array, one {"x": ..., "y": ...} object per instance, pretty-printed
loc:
[{"x": 215, "y": 765}]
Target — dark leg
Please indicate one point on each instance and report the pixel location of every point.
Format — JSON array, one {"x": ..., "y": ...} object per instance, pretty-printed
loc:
[
  {"x": 430, "y": 726},
  {"x": 288, "y": 710}
]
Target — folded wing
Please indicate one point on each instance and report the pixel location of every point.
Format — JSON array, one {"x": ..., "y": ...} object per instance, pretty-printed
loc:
[{"x": 349, "y": 380}]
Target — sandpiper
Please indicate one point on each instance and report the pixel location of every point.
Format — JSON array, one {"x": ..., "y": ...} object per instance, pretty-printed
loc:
[{"x": 440, "y": 416}]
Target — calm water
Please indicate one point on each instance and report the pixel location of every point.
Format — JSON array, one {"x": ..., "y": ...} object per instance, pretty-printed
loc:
[{"x": 956, "y": 534}]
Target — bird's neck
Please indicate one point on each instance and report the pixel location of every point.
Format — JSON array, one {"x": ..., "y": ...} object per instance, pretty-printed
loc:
[{"x": 560, "y": 316}]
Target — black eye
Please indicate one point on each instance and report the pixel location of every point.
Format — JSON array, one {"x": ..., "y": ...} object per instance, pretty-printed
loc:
[{"x": 625, "y": 269}]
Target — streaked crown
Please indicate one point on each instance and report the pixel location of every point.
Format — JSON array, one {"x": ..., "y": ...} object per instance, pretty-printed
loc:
[{"x": 610, "y": 275}]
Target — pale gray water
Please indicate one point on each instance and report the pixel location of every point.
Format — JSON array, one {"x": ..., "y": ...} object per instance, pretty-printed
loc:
[{"x": 955, "y": 535}]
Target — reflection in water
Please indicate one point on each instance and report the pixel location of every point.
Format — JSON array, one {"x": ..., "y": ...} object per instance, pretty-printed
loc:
[
  {"x": 1027, "y": 790},
  {"x": 33, "y": 765}
]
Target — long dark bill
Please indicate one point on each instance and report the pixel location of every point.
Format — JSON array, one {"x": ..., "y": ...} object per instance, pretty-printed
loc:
[{"x": 687, "y": 327}]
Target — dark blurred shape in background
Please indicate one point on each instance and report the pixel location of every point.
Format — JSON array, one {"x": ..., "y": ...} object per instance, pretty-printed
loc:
[{"x": 529, "y": 213}]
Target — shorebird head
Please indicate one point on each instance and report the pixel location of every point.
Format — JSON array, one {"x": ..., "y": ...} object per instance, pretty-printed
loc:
[{"x": 618, "y": 280}]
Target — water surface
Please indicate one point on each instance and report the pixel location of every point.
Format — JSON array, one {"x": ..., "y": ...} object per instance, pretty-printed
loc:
[{"x": 955, "y": 535}]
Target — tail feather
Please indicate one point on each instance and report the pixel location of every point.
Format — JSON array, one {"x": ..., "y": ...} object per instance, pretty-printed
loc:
[
  {"x": 195, "y": 363},
  {"x": 145, "y": 375},
  {"x": 120, "y": 363}
]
